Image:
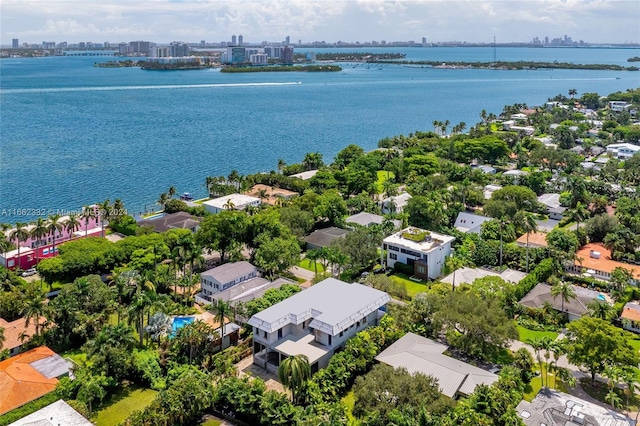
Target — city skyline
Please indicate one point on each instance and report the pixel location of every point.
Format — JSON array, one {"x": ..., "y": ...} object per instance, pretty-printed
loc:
[{"x": 474, "y": 21}]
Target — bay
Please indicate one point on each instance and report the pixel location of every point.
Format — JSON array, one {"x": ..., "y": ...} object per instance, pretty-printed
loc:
[{"x": 73, "y": 134}]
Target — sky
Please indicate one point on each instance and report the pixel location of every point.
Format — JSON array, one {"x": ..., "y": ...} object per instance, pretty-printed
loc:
[{"x": 594, "y": 21}]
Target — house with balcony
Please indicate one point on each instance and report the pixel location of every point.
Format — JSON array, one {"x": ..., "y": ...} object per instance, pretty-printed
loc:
[
  {"x": 423, "y": 250},
  {"x": 224, "y": 277},
  {"x": 623, "y": 150},
  {"x": 315, "y": 322}
]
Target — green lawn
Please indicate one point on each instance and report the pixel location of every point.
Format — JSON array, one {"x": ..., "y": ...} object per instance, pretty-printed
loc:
[
  {"x": 75, "y": 355},
  {"x": 524, "y": 334},
  {"x": 121, "y": 404},
  {"x": 412, "y": 287},
  {"x": 211, "y": 422},
  {"x": 635, "y": 342},
  {"x": 309, "y": 265},
  {"x": 382, "y": 177},
  {"x": 533, "y": 388},
  {"x": 600, "y": 391}
]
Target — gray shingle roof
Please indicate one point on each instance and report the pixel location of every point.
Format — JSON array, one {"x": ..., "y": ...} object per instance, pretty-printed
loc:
[
  {"x": 229, "y": 271},
  {"x": 333, "y": 305},
  {"x": 365, "y": 219},
  {"x": 421, "y": 355},
  {"x": 577, "y": 306},
  {"x": 324, "y": 237},
  {"x": 170, "y": 221}
]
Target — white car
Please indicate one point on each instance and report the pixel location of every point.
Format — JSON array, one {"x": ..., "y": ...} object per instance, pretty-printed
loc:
[{"x": 29, "y": 272}]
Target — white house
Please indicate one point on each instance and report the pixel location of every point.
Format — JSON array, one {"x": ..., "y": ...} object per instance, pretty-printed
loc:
[
  {"x": 231, "y": 202},
  {"x": 423, "y": 250},
  {"x": 470, "y": 223},
  {"x": 619, "y": 106},
  {"x": 226, "y": 276},
  {"x": 315, "y": 322},
  {"x": 631, "y": 317},
  {"x": 623, "y": 150},
  {"x": 395, "y": 204}
]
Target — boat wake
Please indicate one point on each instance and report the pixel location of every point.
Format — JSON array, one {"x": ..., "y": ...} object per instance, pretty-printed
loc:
[{"x": 161, "y": 87}]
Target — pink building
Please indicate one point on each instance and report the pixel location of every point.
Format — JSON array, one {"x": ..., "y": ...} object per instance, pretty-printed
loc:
[{"x": 33, "y": 250}]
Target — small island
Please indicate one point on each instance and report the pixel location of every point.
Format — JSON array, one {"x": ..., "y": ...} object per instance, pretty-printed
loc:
[
  {"x": 518, "y": 65},
  {"x": 282, "y": 68},
  {"x": 634, "y": 59}
]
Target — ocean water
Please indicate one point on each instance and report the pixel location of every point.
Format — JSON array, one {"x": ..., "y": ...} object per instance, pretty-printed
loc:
[{"x": 72, "y": 134}]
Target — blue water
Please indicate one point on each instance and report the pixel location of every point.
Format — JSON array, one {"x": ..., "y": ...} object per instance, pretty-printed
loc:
[
  {"x": 73, "y": 134},
  {"x": 179, "y": 322}
]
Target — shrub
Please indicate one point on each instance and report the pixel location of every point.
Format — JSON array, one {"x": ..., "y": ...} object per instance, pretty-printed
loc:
[{"x": 403, "y": 268}]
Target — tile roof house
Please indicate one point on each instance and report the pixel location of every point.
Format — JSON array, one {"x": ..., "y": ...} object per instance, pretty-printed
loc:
[
  {"x": 470, "y": 223},
  {"x": 595, "y": 258},
  {"x": 631, "y": 317},
  {"x": 418, "y": 354},
  {"x": 575, "y": 308},
  {"x": 29, "y": 376},
  {"x": 314, "y": 322},
  {"x": 536, "y": 239},
  {"x": 16, "y": 333},
  {"x": 181, "y": 220},
  {"x": 273, "y": 193},
  {"x": 57, "y": 413}
]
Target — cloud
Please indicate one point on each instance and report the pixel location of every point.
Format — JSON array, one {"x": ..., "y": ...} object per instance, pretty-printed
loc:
[{"x": 330, "y": 20}]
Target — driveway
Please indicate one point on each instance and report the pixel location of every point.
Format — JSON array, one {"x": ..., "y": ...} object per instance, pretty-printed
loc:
[{"x": 547, "y": 225}]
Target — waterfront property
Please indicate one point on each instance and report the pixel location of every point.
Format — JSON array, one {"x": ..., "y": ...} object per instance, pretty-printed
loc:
[
  {"x": 33, "y": 249},
  {"x": 305, "y": 175},
  {"x": 273, "y": 194},
  {"x": 424, "y": 251},
  {"x": 418, "y": 354},
  {"x": 551, "y": 407},
  {"x": 315, "y": 322},
  {"x": 178, "y": 220},
  {"x": 29, "y": 376},
  {"x": 231, "y": 202}
]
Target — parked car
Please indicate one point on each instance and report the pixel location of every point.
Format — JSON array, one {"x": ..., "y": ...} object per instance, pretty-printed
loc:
[{"x": 29, "y": 272}]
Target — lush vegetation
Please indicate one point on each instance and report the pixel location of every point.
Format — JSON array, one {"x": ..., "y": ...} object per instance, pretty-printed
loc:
[{"x": 282, "y": 68}]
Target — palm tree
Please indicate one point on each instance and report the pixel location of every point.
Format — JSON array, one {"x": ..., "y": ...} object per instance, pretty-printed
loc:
[
  {"x": 293, "y": 372},
  {"x": 162, "y": 200},
  {"x": 229, "y": 205},
  {"x": 88, "y": 213},
  {"x": 564, "y": 290},
  {"x": 19, "y": 234},
  {"x": 104, "y": 214},
  {"x": 613, "y": 373},
  {"x": 35, "y": 305},
  {"x": 136, "y": 312},
  {"x": 526, "y": 222},
  {"x": 4, "y": 229},
  {"x": 572, "y": 92},
  {"x": 313, "y": 256},
  {"x": 263, "y": 194},
  {"x": 54, "y": 227},
  {"x": 38, "y": 232},
  {"x": 600, "y": 309},
  {"x": 171, "y": 191},
  {"x": 222, "y": 310},
  {"x": 538, "y": 344},
  {"x": 281, "y": 165},
  {"x": 630, "y": 379},
  {"x": 579, "y": 213}
]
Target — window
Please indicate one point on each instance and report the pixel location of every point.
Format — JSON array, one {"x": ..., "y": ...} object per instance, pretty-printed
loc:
[
  {"x": 329, "y": 340},
  {"x": 393, "y": 256},
  {"x": 421, "y": 269},
  {"x": 358, "y": 324},
  {"x": 280, "y": 333},
  {"x": 342, "y": 333},
  {"x": 394, "y": 248},
  {"x": 264, "y": 334},
  {"x": 364, "y": 320}
]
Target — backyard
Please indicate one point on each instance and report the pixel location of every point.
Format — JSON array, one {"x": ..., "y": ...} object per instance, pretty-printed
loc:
[
  {"x": 532, "y": 389},
  {"x": 524, "y": 334},
  {"x": 311, "y": 266},
  {"x": 412, "y": 287},
  {"x": 116, "y": 408}
]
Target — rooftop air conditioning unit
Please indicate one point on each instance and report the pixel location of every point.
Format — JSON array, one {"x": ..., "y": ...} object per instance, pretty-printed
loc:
[{"x": 594, "y": 254}]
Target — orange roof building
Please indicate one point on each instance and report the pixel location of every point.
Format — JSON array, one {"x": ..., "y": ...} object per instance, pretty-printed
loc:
[
  {"x": 272, "y": 193},
  {"x": 29, "y": 376},
  {"x": 536, "y": 239},
  {"x": 631, "y": 313},
  {"x": 16, "y": 333},
  {"x": 596, "y": 259}
]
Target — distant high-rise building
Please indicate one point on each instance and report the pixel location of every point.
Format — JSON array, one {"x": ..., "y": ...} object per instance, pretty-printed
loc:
[
  {"x": 141, "y": 47},
  {"x": 234, "y": 40},
  {"x": 15, "y": 43},
  {"x": 202, "y": 43},
  {"x": 424, "y": 40},
  {"x": 236, "y": 55},
  {"x": 546, "y": 40},
  {"x": 273, "y": 51},
  {"x": 286, "y": 55},
  {"x": 178, "y": 49},
  {"x": 299, "y": 42},
  {"x": 287, "y": 41},
  {"x": 240, "y": 40}
]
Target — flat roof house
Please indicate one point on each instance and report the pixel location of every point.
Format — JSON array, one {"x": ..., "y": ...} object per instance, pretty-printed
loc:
[
  {"x": 315, "y": 322},
  {"x": 230, "y": 202},
  {"x": 423, "y": 250},
  {"x": 623, "y": 150},
  {"x": 418, "y": 354},
  {"x": 29, "y": 376},
  {"x": 178, "y": 220}
]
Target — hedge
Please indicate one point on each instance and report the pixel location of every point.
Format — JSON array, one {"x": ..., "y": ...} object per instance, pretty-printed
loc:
[{"x": 540, "y": 274}]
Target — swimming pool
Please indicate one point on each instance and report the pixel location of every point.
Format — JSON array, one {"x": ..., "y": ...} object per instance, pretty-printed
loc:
[{"x": 179, "y": 322}]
